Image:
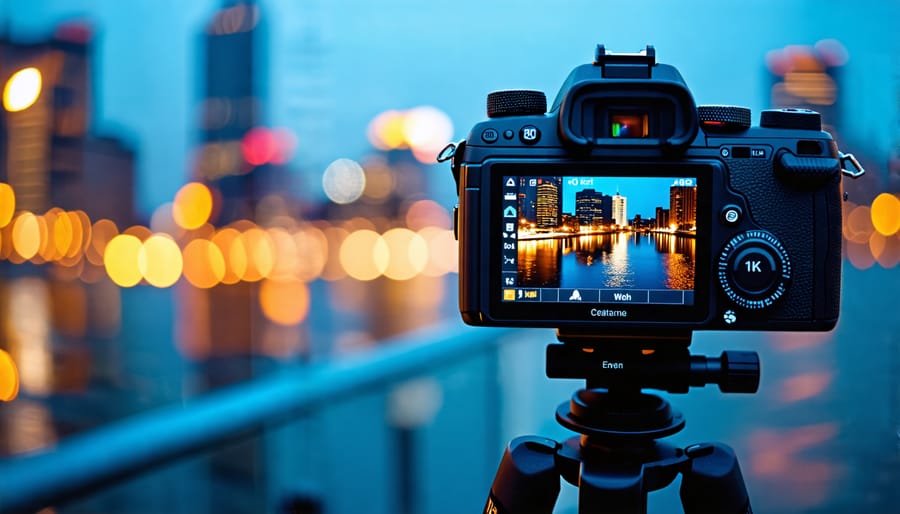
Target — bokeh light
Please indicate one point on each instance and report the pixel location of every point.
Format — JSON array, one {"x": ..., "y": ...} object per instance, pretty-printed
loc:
[
  {"x": 26, "y": 235},
  {"x": 379, "y": 180},
  {"x": 192, "y": 206},
  {"x": 408, "y": 254},
  {"x": 228, "y": 240},
  {"x": 364, "y": 255},
  {"x": 120, "y": 258},
  {"x": 427, "y": 213},
  {"x": 858, "y": 225},
  {"x": 312, "y": 252},
  {"x": 22, "y": 89},
  {"x": 335, "y": 236},
  {"x": 204, "y": 265},
  {"x": 426, "y": 131},
  {"x": 258, "y": 146},
  {"x": 7, "y": 204},
  {"x": 885, "y": 214},
  {"x": 102, "y": 232},
  {"x": 385, "y": 131},
  {"x": 63, "y": 233},
  {"x": 9, "y": 378},
  {"x": 285, "y": 302},
  {"x": 344, "y": 181},
  {"x": 260, "y": 254},
  {"x": 159, "y": 261},
  {"x": 139, "y": 231},
  {"x": 442, "y": 251}
]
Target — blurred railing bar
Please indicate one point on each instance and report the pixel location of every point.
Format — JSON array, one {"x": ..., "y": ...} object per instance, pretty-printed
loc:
[{"x": 84, "y": 463}]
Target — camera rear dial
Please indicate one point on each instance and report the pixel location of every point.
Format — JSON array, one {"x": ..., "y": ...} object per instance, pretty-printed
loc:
[{"x": 754, "y": 270}]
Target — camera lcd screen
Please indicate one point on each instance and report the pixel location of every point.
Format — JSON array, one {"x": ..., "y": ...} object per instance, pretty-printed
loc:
[{"x": 617, "y": 240}]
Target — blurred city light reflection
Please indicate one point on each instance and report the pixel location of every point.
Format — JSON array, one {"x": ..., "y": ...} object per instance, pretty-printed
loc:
[
  {"x": 22, "y": 90},
  {"x": 9, "y": 377}
]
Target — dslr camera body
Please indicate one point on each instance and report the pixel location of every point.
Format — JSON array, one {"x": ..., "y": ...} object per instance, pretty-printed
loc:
[{"x": 626, "y": 209}]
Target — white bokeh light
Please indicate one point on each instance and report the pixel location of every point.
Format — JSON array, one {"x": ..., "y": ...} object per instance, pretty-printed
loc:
[{"x": 343, "y": 181}]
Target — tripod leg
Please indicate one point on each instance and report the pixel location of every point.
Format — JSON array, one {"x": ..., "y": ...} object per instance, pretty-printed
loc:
[
  {"x": 527, "y": 480},
  {"x": 714, "y": 482}
]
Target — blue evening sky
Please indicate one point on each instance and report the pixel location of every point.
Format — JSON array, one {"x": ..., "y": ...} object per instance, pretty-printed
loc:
[
  {"x": 345, "y": 61},
  {"x": 643, "y": 194}
]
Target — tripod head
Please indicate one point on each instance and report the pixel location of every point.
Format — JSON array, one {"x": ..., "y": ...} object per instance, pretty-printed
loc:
[
  {"x": 656, "y": 361},
  {"x": 616, "y": 368}
]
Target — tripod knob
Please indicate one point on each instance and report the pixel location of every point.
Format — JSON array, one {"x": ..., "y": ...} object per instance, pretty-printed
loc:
[{"x": 740, "y": 372}]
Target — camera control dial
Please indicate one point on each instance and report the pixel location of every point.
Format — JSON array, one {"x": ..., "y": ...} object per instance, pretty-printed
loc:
[
  {"x": 723, "y": 118},
  {"x": 516, "y": 102},
  {"x": 754, "y": 270}
]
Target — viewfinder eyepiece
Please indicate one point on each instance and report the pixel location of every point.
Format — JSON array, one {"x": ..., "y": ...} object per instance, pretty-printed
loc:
[{"x": 629, "y": 125}]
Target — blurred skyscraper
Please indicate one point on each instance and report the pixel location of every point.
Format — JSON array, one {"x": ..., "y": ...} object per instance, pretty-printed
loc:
[{"x": 47, "y": 153}]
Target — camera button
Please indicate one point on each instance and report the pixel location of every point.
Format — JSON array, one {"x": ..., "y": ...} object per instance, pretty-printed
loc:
[
  {"x": 508, "y": 134},
  {"x": 489, "y": 135},
  {"x": 732, "y": 214},
  {"x": 530, "y": 134}
]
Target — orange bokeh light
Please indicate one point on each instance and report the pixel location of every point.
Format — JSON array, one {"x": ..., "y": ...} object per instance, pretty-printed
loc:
[
  {"x": 9, "y": 378},
  {"x": 121, "y": 260},
  {"x": 229, "y": 242},
  {"x": 26, "y": 235},
  {"x": 102, "y": 232},
  {"x": 204, "y": 265},
  {"x": 7, "y": 204},
  {"x": 284, "y": 302},
  {"x": 192, "y": 206},
  {"x": 885, "y": 214},
  {"x": 159, "y": 261}
]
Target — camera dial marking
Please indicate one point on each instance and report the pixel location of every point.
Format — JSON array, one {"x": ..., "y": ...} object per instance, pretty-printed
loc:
[
  {"x": 729, "y": 317},
  {"x": 754, "y": 270}
]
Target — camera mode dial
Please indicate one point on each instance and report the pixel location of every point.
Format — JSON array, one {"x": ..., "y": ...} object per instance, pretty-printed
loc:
[
  {"x": 723, "y": 118},
  {"x": 797, "y": 119},
  {"x": 754, "y": 270},
  {"x": 516, "y": 102}
]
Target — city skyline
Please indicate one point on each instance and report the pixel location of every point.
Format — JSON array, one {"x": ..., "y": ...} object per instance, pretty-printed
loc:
[{"x": 582, "y": 199}]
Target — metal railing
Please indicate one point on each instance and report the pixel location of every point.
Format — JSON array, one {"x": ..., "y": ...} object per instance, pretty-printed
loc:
[{"x": 88, "y": 462}]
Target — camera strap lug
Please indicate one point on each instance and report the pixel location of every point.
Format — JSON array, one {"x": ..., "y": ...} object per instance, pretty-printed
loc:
[
  {"x": 450, "y": 152},
  {"x": 855, "y": 169}
]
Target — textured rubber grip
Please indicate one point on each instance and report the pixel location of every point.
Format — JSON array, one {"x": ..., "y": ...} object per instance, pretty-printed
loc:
[
  {"x": 807, "y": 171},
  {"x": 516, "y": 102},
  {"x": 723, "y": 117}
]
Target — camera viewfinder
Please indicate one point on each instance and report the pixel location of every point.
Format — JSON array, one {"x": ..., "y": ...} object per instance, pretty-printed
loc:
[{"x": 628, "y": 125}]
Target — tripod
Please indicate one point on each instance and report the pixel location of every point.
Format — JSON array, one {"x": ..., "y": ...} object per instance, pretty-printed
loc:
[{"x": 618, "y": 459}]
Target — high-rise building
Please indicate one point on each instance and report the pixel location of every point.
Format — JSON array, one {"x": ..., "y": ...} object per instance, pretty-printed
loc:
[
  {"x": 620, "y": 210},
  {"x": 47, "y": 153},
  {"x": 234, "y": 144},
  {"x": 548, "y": 202},
  {"x": 683, "y": 207},
  {"x": 662, "y": 218},
  {"x": 589, "y": 207}
]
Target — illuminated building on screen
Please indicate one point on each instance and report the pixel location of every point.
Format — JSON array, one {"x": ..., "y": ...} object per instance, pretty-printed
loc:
[
  {"x": 548, "y": 200},
  {"x": 593, "y": 207},
  {"x": 683, "y": 207},
  {"x": 662, "y": 218},
  {"x": 620, "y": 210},
  {"x": 47, "y": 152}
]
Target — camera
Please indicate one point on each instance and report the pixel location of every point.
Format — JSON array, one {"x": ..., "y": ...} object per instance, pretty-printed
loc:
[{"x": 626, "y": 207}]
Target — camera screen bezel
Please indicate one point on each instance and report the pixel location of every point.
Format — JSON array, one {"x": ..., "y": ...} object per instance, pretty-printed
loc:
[{"x": 565, "y": 314}]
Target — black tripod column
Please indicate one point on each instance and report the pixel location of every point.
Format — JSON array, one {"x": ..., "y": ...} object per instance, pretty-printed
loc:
[
  {"x": 713, "y": 483},
  {"x": 527, "y": 480},
  {"x": 604, "y": 488}
]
